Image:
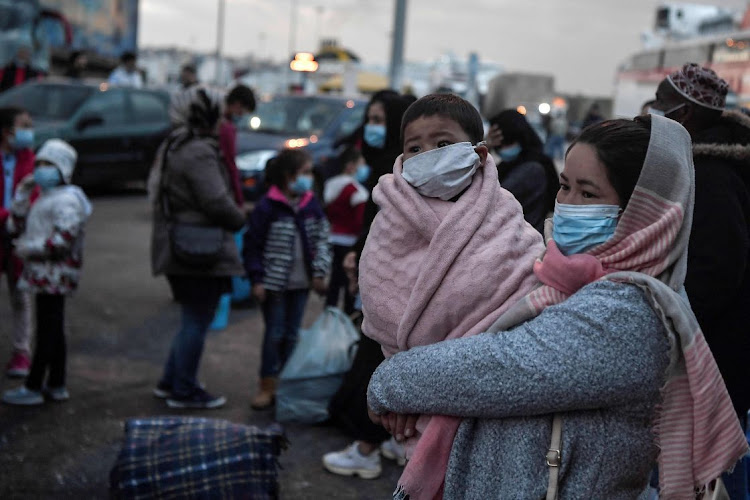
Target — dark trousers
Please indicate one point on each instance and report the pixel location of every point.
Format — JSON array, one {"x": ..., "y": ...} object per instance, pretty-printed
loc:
[
  {"x": 339, "y": 280},
  {"x": 50, "y": 351},
  {"x": 282, "y": 313}
]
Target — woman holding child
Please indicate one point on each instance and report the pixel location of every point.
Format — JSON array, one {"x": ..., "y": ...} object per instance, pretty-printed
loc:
[{"x": 604, "y": 347}]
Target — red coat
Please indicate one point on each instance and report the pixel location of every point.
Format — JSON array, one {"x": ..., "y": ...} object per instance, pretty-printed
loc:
[
  {"x": 24, "y": 166},
  {"x": 228, "y": 146}
]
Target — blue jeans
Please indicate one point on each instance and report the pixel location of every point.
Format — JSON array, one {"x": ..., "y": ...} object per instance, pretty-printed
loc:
[
  {"x": 282, "y": 312},
  {"x": 180, "y": 372}
]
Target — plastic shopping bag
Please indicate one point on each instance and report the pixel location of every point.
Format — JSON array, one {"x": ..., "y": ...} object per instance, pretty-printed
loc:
[{"x": 316, "y": 368}]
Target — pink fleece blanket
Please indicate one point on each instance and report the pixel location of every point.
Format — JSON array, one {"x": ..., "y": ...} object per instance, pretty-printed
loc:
[{"x": 433, "y": 270}]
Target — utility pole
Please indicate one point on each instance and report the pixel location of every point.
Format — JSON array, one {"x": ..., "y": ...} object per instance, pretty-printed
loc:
[
  {"x": 397, "y": 54},
  {"x": 219, "y": 41},
  {"x": 293, "y": 29}
]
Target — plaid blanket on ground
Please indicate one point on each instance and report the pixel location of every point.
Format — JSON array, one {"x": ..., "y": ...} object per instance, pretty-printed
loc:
[{"x": 182, "y": 457}]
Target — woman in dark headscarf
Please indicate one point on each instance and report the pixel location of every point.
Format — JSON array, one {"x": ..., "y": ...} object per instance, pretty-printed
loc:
[
  {"x": 524, "y": 169},
  {"x": 381, "y": 145}
]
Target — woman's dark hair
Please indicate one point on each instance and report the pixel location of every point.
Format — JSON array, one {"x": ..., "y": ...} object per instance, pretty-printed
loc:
[
  {"x": 244, "y": 95},
  {"x": 8, "y": 117},
  {"x": 621, "y": 146},
  {"x": 448, "y": 106},
  {"x": 285, "y": 165},
  {"x": 516, "y": 129}
]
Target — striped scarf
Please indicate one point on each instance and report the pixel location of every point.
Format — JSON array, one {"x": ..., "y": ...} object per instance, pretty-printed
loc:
[{"x": 697, "y": 430}]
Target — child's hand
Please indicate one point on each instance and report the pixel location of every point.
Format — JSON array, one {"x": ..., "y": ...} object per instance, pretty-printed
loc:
[
  {"x": 259, "y": 292},
  {"x": 399, "y": 426},
  {"x": 319, "y": 285}
]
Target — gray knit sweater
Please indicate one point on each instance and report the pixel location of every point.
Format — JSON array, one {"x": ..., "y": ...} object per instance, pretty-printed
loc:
[{"x": 599, "y": 358}]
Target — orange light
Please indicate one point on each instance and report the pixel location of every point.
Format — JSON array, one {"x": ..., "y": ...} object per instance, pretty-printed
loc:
[
  {"x": 350, "y": 104},
  {"x": 730, "y": 42},
  {"x": 313, "y": 139},
  {"x": 304, "y": 61},
  {"x": 521, "y": 109},
  {"x": 249, "y": 182},
  {"x": 559, "y": 102},
  {"x": 297, "y": 143}
]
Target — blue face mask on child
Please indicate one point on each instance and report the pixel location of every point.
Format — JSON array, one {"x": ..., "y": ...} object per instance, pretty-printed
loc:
[
  {"x": 363, "y": 173},
  {"x": 578, "y": 228},
  {"x": 47, "y": 177},
  {"x": 375, "y": 135},
  {"x": 510, "y": 153},
  {"x": 301, "y": 185}
]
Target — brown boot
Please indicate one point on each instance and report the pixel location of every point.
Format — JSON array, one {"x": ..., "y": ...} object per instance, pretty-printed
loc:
[{"x": 264, "y": 398}]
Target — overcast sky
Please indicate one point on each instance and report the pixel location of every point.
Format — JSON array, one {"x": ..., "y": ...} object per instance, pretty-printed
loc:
[{"x": 581, "y": 42}]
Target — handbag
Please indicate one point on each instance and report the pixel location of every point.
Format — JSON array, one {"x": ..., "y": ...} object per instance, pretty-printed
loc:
[
  {"x": 192, "y": 245},
  {"x": 714, "y": 491}
]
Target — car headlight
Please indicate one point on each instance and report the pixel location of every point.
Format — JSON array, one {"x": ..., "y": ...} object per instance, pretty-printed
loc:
[{"x": 254, "y": 161}]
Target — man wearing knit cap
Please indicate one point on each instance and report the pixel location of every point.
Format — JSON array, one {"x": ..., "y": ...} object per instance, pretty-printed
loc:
[{"x": 718, "y": 274}]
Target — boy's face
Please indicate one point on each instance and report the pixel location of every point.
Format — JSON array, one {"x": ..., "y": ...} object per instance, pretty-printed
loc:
[{"x": 431, "y": 132}]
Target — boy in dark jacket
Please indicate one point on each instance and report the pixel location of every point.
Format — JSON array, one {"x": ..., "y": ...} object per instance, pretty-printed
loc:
[{"x": 285, "y": 253}]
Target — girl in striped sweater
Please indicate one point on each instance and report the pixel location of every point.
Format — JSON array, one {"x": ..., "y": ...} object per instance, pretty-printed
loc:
[{"x": 286, "y": 253}]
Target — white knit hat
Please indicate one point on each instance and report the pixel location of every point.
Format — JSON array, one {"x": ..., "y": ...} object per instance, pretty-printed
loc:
[{"x": 60, "y": 154}]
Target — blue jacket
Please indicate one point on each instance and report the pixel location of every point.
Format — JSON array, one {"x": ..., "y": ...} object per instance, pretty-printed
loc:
[{"x": 268, "y": 252}]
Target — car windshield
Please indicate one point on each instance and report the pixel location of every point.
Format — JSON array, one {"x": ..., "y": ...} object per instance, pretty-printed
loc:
[
  {"x": 294, "y": 116},
  {"x": 47, "y": 102}
]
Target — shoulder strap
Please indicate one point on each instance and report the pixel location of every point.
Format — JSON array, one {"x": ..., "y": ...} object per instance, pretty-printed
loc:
[{"x": 554, "y": 457}]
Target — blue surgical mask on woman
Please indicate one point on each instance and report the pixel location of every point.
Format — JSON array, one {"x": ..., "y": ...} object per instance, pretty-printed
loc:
[
  {"x": 375, "y": 135},
  {"x": 301, "y": 185},
  {"x": 578, "y": 228},
  {"x": 363, "y": 173},
  {"x": 23, "y": 138},
  {"x": 510, "y": 153},
  {"x": 47, "y": 177}
]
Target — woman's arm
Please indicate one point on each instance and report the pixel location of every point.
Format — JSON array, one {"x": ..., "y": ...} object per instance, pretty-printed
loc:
[{"x": 604, "y": 346}]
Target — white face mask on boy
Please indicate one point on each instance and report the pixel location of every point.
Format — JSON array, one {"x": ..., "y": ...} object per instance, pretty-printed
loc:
[{"x": 443, "y": 172}]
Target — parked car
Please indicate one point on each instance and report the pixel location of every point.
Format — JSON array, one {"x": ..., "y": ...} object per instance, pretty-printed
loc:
[
  {"x": 314, "y": 123},
  {"x": 115, "y": 130}
]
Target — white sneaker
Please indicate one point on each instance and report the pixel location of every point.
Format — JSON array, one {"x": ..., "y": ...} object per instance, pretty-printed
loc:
[
  {"x": 56, "y": 393},
  {"x": 23, "y": 397},
  {"x": 393, "y": 450},
  {"x": 350, "y": 462}
]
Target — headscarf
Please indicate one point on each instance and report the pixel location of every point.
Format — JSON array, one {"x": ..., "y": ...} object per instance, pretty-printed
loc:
[
  {"x": 191, "y": 110},
  {"x": 381, "y": 160},
  {"x": 697, "y": 430}
]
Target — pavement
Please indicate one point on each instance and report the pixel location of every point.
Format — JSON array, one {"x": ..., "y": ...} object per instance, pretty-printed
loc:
[{"x": 120, "y": 325}]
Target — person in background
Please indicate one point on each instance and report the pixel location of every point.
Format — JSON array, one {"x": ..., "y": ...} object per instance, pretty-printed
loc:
[
  {"x": 191, "y": 182},
  {"x": 558, "y": 131},
  {"x": 188, "y": 76},
  {"x": 524, "y": 169},
  {"x": 239, "y": 103},
  {"x": 286, "y": 253},
  {"x": 17, "y": 161},
  {"x": 51, "y": 245},
  {"x": 77, "y": 64},
  {"x": 718, "y": 269},
  {"x": 344, "y": 197},
  {"x": 126, "y": 74},
  {"x": 381, "y": 145},
  {"x": 19, "y": 70},
  {"x": 593, "y": 116}
]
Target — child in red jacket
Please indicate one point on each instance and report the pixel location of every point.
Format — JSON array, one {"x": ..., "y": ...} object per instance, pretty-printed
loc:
[{"x": 344, "y": 197}]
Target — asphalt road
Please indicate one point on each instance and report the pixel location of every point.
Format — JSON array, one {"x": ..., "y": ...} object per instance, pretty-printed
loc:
[{"x": 119, "y": 328}]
